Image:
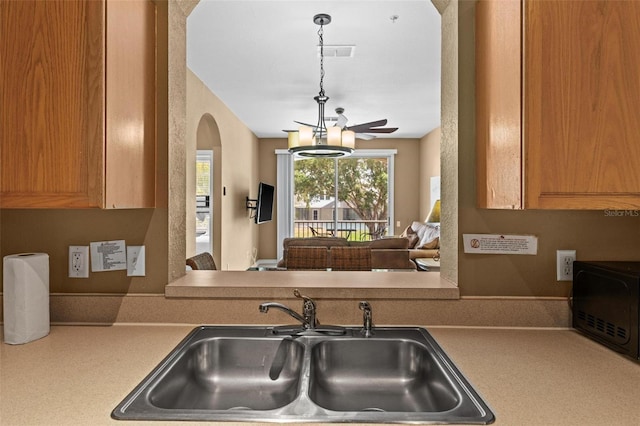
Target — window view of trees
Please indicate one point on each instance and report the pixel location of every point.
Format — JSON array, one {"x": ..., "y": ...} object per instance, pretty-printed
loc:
[{"x": 361, "y": 210}]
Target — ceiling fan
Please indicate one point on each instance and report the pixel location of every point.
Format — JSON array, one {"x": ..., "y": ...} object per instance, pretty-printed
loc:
[{"x": 362, "y": 131}]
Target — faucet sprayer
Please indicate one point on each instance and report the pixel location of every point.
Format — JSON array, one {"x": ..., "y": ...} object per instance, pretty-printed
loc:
[{"x": 367, "y": 318}]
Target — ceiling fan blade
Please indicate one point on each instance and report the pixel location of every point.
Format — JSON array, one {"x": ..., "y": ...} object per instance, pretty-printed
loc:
[
  {"x": 364, "y": 137},
  {"x": 313, "y": 126},
  {"x": 382, "y": 130},
  {"x": 364, "y": 126}
]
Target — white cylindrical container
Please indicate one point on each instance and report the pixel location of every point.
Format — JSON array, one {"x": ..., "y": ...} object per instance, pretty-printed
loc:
[{"x": 25, "y": 297}]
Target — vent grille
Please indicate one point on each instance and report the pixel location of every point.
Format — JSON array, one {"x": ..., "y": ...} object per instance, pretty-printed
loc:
[
  {"x": 604, "y": 327},
  {"x": 337, "y": 51}
]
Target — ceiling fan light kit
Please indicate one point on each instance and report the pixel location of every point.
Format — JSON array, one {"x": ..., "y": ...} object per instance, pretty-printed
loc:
[
  {"x": 320, "y": 141},
  {"x": 338, "y": 140}
]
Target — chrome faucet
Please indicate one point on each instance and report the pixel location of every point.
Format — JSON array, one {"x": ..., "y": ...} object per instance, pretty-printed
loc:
[
  {"x": 367, "y": 318},
  {"x": 308, "y": 317}
]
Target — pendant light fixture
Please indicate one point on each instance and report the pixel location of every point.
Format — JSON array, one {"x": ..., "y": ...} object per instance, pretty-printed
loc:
[{"x": 321, "y": 141}]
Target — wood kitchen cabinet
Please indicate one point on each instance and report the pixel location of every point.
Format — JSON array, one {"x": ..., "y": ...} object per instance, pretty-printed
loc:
[
  {"x": 78, "y": 104},
  {"x": 558, "y": 104}
]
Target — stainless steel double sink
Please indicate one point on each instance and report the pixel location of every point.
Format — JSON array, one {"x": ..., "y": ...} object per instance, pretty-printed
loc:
[{"x": 398, "y": 375}]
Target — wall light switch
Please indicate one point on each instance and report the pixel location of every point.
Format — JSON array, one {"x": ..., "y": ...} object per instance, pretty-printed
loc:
[{"x": 135, "y": 261}]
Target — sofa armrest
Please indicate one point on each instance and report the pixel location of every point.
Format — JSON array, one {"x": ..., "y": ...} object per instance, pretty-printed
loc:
[
  {"x": 391, "y": 259},
  {"x": 418, "y": 253}
]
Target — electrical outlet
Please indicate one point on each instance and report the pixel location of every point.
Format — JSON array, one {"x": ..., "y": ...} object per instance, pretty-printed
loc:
[
  {"x": 564, "y": 264},
  {"x": 79, "y": 261}
]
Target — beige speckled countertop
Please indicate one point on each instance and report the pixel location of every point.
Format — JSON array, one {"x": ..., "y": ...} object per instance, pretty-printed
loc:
[
  {"x": 78, "y": 374},
  {"x": 369, "y": 284}
]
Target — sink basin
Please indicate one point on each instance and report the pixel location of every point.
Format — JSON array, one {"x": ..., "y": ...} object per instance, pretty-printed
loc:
[
  {"x": 231, "y": 373},
  {"x": 379, "y": 375},
  {"x": 400, "y": 375}
]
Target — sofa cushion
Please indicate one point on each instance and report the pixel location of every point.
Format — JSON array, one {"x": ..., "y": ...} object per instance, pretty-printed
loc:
[
  {"x": 307, "y": 258},
  {"x": 350, "y": 258}
]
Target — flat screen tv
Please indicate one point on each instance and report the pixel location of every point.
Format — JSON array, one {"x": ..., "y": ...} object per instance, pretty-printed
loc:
[{"x": 264, "y": 207}]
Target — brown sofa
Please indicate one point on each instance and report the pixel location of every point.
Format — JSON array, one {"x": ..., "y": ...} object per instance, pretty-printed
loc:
[{"x": 386, "y": 253}]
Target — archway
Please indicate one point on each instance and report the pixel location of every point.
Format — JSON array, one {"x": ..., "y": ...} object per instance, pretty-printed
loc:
[{"x": 207, "y": 145}]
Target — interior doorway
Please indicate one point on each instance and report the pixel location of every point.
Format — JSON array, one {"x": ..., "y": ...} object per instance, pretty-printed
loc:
[{"x": 204, "y": 201}]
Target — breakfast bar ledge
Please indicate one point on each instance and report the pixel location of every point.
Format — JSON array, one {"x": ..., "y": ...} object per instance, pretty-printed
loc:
[{"x": 321, "y": 284}]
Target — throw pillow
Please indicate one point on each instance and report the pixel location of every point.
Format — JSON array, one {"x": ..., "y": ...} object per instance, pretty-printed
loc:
[
  {"x": 434, "y": 244},
  {"x": 410, "y": 235},
  {"x": 413, "y": 240},
  {"x": 427, "y": 234}
]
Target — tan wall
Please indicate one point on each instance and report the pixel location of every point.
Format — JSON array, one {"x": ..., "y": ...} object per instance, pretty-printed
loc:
[
  {"x": 238, "y": 174},
  {"x": 429, "y": 167},
  {"x": 593, "y": 234},
  {"x": 407, "y": 167}
]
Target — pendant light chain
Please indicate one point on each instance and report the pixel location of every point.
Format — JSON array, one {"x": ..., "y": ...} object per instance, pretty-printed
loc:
[{"x": 321, "y": 129}]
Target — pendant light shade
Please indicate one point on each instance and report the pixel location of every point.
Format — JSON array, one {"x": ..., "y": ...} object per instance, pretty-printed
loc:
[
  {"x": 294, "y": 139},
  {"x": 349, "y": 139},
  {"x": 306, "y": 136}
]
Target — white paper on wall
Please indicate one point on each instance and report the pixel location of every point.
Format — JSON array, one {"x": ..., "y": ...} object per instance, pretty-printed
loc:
[{"x": 108, "y": 256}]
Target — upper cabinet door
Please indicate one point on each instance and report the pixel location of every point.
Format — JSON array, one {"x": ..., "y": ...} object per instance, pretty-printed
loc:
[
  {"x": 582, "y": 104},
  {"x": 77, "y": 104},
  {"x": 51, "y": 103},
  {"x": 579, "y": 102}
]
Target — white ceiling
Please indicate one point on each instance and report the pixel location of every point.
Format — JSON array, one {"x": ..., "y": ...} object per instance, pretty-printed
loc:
[{"x": 261, "y": 59}]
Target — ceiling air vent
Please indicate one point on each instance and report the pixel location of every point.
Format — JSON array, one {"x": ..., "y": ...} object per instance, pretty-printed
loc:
[{"x": 337, "y": 51}]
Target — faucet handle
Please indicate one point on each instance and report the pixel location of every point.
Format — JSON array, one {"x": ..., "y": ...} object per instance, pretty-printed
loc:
[
  {"x": 365, "y": 307},
  {"x": 297, "y": 294},
  {"x": 308, "y": 308},
  {"x": 308, "y": 302}
]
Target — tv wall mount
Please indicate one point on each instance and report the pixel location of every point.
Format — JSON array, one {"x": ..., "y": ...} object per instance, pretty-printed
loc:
[{"x": 252, "y": 205}]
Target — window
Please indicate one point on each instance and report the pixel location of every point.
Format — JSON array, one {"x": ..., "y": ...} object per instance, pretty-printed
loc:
[{"x": 349, "y": 197}]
